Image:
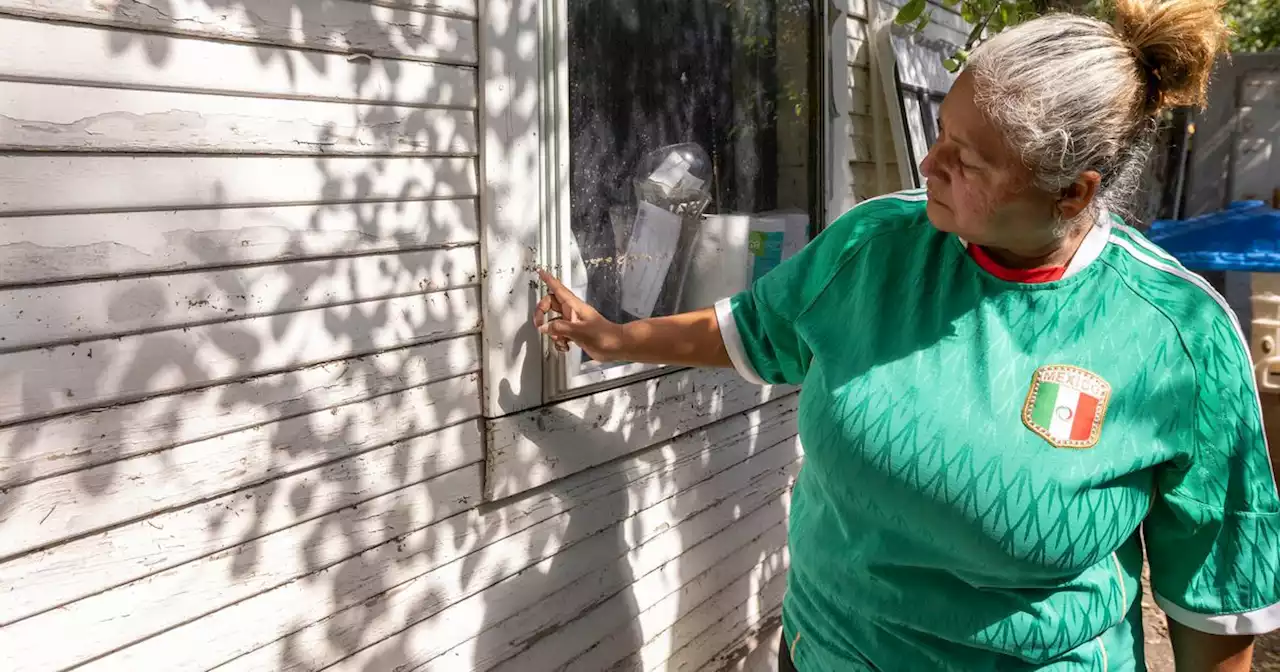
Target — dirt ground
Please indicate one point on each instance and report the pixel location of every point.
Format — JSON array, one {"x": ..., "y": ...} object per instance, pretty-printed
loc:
[{"x": 1266, "y": 657}]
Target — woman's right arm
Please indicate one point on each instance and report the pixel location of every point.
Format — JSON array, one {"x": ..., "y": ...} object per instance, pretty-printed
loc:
[{"x": 687, "y": 339}]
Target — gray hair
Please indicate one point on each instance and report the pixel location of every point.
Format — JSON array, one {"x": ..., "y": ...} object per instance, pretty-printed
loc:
[{"x": 1072, "y": 93}]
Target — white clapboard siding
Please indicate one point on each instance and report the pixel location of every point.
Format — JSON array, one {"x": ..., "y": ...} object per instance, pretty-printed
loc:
[
  {"x": 65, "y": 117},
  {"x": 500, "y": 542},
  {"x": 857, "y": 44},
  {"x": 864, "y": 146},
  {"x": 35, "y": 383},
  {"x": 106, "y": 308},
  {"x": 659, "y": 609},
  {"x": 574, "y": 613},
  {"x": 169, "y": 548},
  {"x": 860, "y": 91},
  {"x": 465, "y": 8},
  {"x": 335, "y": 25},
  {"x": 539, "y": 446},
  {"x": 35, "y": 451},
  {"x": 596, "y": 636},
  {"x": 702, "y": 603},
  {"x": 41, "y": 51},
  {"x": 755, "y": 650},
  {"x": 294, "y": 547},
  {"x": 43, "y": 249},
  {"x": 694, "y": 513},
  {"x": 758, "y": 611},
  {"x": 49, "y": 183},
  {"x": 68, "y": 506}
]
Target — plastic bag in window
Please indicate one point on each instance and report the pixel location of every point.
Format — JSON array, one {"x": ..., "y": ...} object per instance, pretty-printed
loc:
[{"x": 673, "y": 189}]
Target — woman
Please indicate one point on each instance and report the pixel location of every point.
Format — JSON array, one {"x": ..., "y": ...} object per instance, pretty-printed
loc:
[{"x": 1002, "y": 384}]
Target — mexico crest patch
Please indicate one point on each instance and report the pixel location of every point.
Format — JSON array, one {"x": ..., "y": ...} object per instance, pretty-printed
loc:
[{"x": 1066, "y": 406}]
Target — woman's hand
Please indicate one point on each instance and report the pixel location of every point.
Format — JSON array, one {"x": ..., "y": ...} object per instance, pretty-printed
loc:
[
  {"x": 688, "y": 339},
  {"x": 568, "y": 319}
]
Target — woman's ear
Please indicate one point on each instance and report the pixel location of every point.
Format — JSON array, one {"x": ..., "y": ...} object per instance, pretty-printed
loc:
[{"x": 1077, "y": 197}]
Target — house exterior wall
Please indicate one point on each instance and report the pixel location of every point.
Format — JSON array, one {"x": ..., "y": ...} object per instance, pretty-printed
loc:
[
  {"x": 873, "y": 164},
  {"x": 239, "y": 314},
  {"x": 240, "y": 374}
]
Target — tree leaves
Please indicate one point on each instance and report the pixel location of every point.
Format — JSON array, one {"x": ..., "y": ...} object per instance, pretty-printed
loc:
[
  {"x": 956, "y": 61},
  {"x": 988, "y": 18},
  {"x": 911, "y": 12},
  {"x": 1256, "y": 24}
]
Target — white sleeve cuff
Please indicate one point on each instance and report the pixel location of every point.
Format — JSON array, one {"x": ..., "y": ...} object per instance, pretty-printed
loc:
[
  {"x": 733, "y": 342},
  {"x": 1256, "y": 622}
]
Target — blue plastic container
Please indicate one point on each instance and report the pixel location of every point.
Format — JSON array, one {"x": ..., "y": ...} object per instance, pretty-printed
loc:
[{"x": 1244, "y": 237}]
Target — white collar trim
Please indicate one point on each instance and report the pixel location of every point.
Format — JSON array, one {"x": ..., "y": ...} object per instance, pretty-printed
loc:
[
  {"x": 1094, "y": 243},
  {"x": 1090, "y": 248}
]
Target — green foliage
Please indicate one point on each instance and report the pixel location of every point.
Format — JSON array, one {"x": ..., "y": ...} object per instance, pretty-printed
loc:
[
  {"x": 1256, "y": 24},
  {"x": 988, "y": 17},
  {"x": 913, "y": 13}
]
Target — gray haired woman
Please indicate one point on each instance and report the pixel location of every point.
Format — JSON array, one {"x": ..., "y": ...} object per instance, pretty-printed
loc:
[{"x": 1008, "y": 396}]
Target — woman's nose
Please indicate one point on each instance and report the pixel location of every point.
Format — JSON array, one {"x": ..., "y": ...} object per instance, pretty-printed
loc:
[{"x": 928, "y": 167}]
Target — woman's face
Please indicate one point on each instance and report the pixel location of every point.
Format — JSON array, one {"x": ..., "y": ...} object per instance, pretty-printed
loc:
[{"x": 979, "y": 188}]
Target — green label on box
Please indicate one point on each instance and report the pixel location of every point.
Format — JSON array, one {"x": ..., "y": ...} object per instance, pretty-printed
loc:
[{"x": 766, "y": 252}]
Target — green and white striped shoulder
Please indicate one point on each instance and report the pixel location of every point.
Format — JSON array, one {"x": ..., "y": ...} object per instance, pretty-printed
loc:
[{"x": 909, "y": 203}]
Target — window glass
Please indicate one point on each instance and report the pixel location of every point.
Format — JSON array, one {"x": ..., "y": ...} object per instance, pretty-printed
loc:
[{"x": 693, "y": 151}]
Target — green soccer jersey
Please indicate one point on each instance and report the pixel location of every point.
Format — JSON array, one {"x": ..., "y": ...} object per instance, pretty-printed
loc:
[{"x": 984, "y": 458}]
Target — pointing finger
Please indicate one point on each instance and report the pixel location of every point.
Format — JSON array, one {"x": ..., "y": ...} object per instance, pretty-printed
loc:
[
  {"x": 557, "y": 288},
  {"x": 548, "y": 304}
]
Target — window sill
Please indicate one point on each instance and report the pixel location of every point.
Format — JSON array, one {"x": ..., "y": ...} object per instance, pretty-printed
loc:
[{"x": 542, "y": 445}]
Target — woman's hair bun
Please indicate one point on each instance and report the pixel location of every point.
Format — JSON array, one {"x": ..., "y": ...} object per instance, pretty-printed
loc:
[{"x": 1175, "y": 43}]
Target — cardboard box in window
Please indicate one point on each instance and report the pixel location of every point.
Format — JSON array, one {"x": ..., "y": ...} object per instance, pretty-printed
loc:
[{"x": 732, "y": 251}]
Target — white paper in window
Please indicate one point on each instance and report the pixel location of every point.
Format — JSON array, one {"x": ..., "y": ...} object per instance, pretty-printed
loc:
[
  {"x": 673, "y": 174},
  {"x": 649, "y": 254},
  {"x": 797, "y": 234},
  {"x": 719, "y": 266}
]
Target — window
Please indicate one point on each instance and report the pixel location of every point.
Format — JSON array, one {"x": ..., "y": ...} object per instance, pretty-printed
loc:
[
  {"x": 582, "y": 100},
  {"x": 688, "y": 154},
  {"x": 916, "y": 82}
]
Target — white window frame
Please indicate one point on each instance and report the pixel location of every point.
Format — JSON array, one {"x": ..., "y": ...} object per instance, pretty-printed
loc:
[
  {"x": 911, "y": 64},
  {"x": 524, "y": 80},
  {"x": 565, "y": 376}
]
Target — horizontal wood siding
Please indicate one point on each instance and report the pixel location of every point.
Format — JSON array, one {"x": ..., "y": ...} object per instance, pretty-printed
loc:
[
  {"x": 93, "y": 373},
  {"x": 35, "y": 451},
  {"x": 870, "y": 136},
  {"x": 58, "y": 117},
  {"x": 239, "y": 314},
  {"x": 60, "y": 52},
  {"x": 240, "y": 375},
  {"x": 100, "y": 182},
  {"x": 358, "y": 566},
  {"x": 57, "y": 248},
  {"x": 401, "y": 31},
  {"x": 535, "y": 448},
  {"x": 37, "y": 316},
  {"x": 562, "y": 559}
]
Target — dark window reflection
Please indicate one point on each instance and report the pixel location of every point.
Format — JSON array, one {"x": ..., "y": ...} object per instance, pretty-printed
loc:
[{"x": 737, "y": 77}]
